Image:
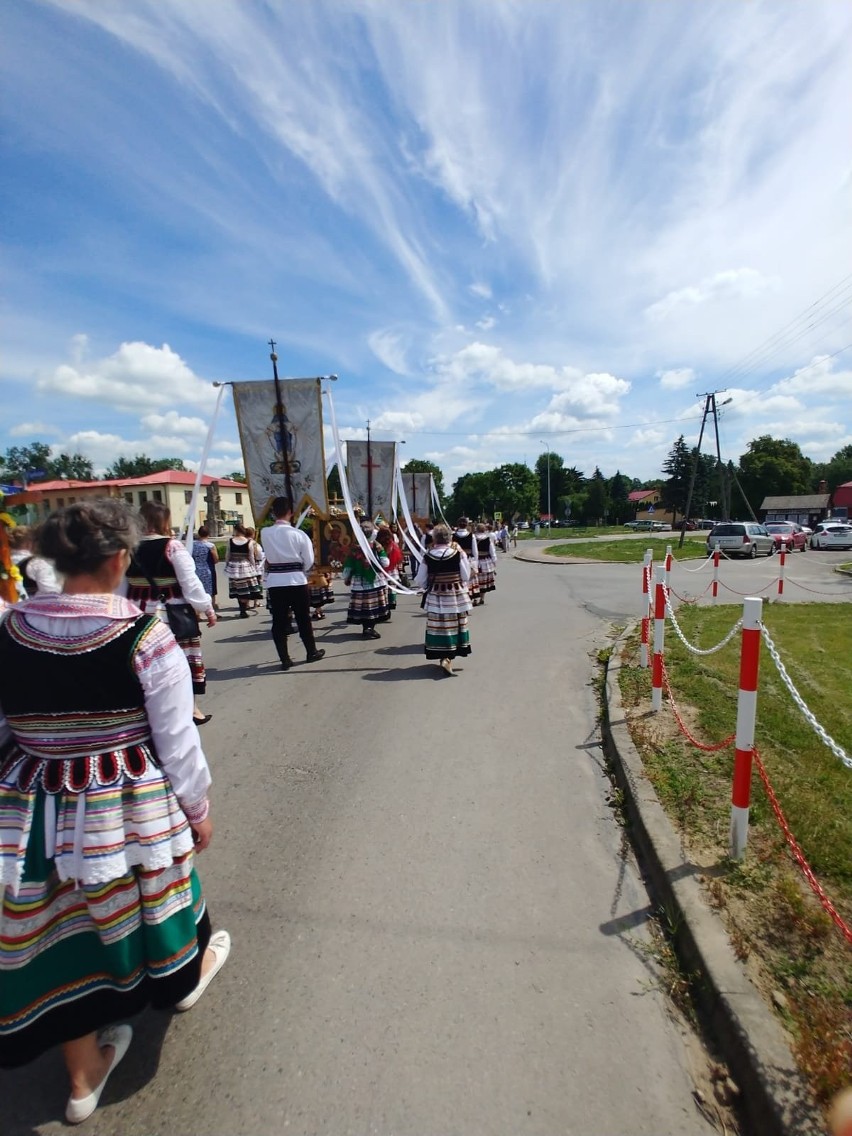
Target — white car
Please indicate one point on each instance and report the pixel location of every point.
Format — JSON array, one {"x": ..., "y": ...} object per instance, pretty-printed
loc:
[{"x": 832, "y": 534}]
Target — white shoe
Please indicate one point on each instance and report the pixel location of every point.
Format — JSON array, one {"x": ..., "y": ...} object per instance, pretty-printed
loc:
[
  {"x": 220, "y": 945},
  {"x": 81, "y": 1109},
  {"x": 447, "y": 666}
]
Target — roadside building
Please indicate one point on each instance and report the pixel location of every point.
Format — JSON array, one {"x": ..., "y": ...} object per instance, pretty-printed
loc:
[
  {"x": 802, "y": 509},
  {"x": 172, "y": 487},
  {"x": 646, "y": 503}
]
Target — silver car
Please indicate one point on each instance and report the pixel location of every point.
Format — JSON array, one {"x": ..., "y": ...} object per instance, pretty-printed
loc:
[{"x": 741, "y": 538}]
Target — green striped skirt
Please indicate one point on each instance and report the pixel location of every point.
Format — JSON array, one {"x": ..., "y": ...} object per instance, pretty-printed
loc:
[{"x": 74, "y": 958}]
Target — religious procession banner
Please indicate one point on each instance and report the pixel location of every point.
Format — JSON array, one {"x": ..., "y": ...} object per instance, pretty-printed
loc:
[
  {"x": 370, "y": 472},
  {"x": 418, "y": 494},
  {"x": 283, "y": 453}
]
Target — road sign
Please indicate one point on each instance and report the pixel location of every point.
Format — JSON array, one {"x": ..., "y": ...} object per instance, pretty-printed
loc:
[{"x": 650, "y": 509}]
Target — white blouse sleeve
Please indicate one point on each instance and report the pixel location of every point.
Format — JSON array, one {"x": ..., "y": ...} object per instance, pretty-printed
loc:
[
  {"x": 464, "y": 567},
  {"x": 163, "y": 671},
  {"x": 422, "y": 577},
  {"x": 184, "y": 566}
]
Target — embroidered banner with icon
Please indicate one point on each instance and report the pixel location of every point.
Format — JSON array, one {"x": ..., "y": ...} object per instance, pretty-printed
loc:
[
  {"x": 283, "y": 452},
  {"x": 370, "y": 468}
]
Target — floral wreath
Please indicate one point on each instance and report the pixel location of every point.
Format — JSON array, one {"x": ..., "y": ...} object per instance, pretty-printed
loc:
[{"x": 10, "y": 575}]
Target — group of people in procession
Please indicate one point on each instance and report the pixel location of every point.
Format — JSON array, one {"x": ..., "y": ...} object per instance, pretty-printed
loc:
[{"x": 103, "y": 781}]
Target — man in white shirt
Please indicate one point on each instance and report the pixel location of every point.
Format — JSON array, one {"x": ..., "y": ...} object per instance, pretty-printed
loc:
[{"x": 289, "y": 557}]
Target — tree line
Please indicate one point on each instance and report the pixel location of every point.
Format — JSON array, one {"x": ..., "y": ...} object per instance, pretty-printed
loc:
[{"x": 769, "y": 467}]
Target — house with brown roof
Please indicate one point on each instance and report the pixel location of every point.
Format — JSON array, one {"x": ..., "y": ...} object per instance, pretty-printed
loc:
[{"x": 172, "y": 487}]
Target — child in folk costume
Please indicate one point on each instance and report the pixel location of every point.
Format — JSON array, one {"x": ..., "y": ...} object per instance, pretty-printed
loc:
[
  {"x": 444, "y": 573},
  {"x": 464, "y": 538},
  {"x": 486, "y": 553},
  {"x": 321, "y": 593},
  {"x": 368, "y": 596},
  {"x": 395, "y": 560},
  {"x": 243, "y": 571}
]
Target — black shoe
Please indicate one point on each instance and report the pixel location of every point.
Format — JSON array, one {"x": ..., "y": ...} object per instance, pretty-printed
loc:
[
  {"x": 286, "y": 664},
  {"x": 315, "y": 656},
  {"x": 244, "y": 614},
  {"x": 372, "y": 634},
  {"x": 201, "y": 721}
]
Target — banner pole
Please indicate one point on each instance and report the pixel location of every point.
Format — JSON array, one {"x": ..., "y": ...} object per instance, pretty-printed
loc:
[{"x": 279, "y": 413}]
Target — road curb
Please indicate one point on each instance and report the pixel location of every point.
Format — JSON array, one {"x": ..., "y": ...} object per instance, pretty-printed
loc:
[{"x": 773, "y": 1092}]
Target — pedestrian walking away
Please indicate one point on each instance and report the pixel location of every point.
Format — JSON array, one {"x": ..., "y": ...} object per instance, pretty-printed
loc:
[
  {"x": 464, "y": 538},
  {"x": 243, "y": 571},
  {"x": 368, "y": 595},
  {"x": 444, "y": 573},
  {"x": 385, "y": 538},
  {"x": 289, "y": 558},
  {"x": 206, "y": 558},
  {"x": 103, "y": 805},
  {"x": 486, "y": 554},
  {"x": 161, "y": 577}
]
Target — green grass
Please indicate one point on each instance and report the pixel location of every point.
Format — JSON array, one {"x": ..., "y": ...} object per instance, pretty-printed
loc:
[
  {"x": 630, "y": 551},
  {"x": 772, "y": 914}
]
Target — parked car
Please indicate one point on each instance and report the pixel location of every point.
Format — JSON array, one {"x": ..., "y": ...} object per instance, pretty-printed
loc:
[
  {"x": 686, "y": 526},
  {"x": 832, "y": 534},
  {"x": 789, "y": 534},
  {"x": 740, "y": 538},
  {"x": 661, "y": 526},
  {"x": 640, "y": 526}
]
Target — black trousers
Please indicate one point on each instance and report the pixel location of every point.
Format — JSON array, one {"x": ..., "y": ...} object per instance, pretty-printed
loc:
[{"x": 282, "y": 600}]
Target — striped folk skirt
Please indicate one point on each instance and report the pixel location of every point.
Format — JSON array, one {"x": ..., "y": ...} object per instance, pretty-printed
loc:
[
  {"x": 192, "y": 649},
  {"x": 76, "y": 957},
  {"x": 368, "y": 606},
  {"x": 486, "y": 576},
  {"x": 447, "y": 634},
  {"x": 244, "y": 588}
]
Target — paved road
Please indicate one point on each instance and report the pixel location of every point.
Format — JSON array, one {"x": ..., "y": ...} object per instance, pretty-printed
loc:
[{"x": 437, "y": 925}]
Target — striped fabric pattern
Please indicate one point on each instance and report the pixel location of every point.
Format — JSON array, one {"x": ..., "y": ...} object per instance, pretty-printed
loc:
[
  {"x": 447, "y": 634},
  {"x": 94, "y": 835},
  {"x": 368, "y": 605},
  {"x": 76, "y": 735}
]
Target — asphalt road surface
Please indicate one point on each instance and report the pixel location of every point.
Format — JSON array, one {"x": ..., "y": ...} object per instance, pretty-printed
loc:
[{"x": 438, "y": 927}]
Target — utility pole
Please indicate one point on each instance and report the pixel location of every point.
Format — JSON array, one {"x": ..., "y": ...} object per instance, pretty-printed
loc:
[{"x": 710, "y": 407}]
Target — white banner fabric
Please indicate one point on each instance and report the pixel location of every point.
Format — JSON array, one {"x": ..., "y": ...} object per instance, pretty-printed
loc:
[
  {"x": 418, "y": 494},
  {"x": 269, "y": 446},
  {"x": 371, "y": 477}
]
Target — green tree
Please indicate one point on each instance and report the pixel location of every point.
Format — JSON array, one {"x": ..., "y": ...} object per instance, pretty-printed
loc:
[
  {"x": 141, "y": 465},
  {"x": 678, "y": 466},
  {"x": 620, "y": 507},
  {"x": 835, "y": 472},
  {"x": 237, "y": 475},
  {"x": 516, "y": 490},
  {"x": 773, "y": 467},
  {"x": 550, "y": 471},
  {"x": 597, "y": 499},
  {"x": 421, "y": 465},
  {"x": 20, "y": 462}
]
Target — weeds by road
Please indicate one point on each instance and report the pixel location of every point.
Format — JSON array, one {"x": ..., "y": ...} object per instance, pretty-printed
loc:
[{"x": 795, "y": 953}]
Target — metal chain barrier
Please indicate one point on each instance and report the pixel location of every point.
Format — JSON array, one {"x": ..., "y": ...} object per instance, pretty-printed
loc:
[
  {"x": 700, "y": 567},
  {"x": 753, "y": 592},
  {"x": 685, "y": 641},
  {"x": 810, "y": 718},
  {"x": 798, "y": 854},
  {"x": 683, "y": 726},
  {"x": 691, "y": 599}
]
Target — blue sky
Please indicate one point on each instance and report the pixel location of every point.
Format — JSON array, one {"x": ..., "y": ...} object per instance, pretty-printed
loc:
[{"x": 506, "y": 226}]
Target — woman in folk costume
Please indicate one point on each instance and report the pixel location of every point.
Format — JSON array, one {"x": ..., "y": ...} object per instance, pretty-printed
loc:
[
  {"x": 103, "y": 802},
  {"x": 368, "y": 597},
  {"x": 321, "y": 592},
  {"x": 486, "y": 557},
  {"x": 393, "y": 552},
  {"x": 444, "y": 573},
  {"x": 464, "y": 538},
  {"x": 243, "y": 571},
  {"x": 161, "y": 569}
]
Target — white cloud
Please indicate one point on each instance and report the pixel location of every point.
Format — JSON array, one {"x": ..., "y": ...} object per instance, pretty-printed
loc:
[
  {"x": 486, "y": 323},
  {"x": 481, "y": 289},
  {"x": 676, "y": 379},
  {"x": 32, "y": 430},
  {"x": 176, "y": 424},
  {"x": 818, "y": 378},
  {"x": 733, "y": 284},
  {"x": 137, "y": 376},
  {"x": 389, "y": 348}
]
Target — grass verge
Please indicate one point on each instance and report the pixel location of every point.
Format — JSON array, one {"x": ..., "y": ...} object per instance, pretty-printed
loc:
[
  {"x": 796, "y": 955},
  {"x": 629, "y": 551}
]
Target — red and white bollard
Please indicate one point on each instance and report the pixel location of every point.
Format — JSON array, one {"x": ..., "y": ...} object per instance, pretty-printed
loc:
[
  {"x": 717, "y": 556},
  {"x": 646, "y": 607},
  {"x": 746, "y": 717},
  {"x": 659, "y": 637},
  {"x": 668, "y": 563},
  {"x": 781, "y": 564}
]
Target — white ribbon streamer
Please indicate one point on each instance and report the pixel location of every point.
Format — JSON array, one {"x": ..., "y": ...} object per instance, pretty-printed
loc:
[{"x": 357, "y": 531}]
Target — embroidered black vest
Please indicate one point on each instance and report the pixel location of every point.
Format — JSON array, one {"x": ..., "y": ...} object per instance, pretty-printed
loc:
[
  {"x": 150, "y": 562},
  {"x": 464, "y": 541}
]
